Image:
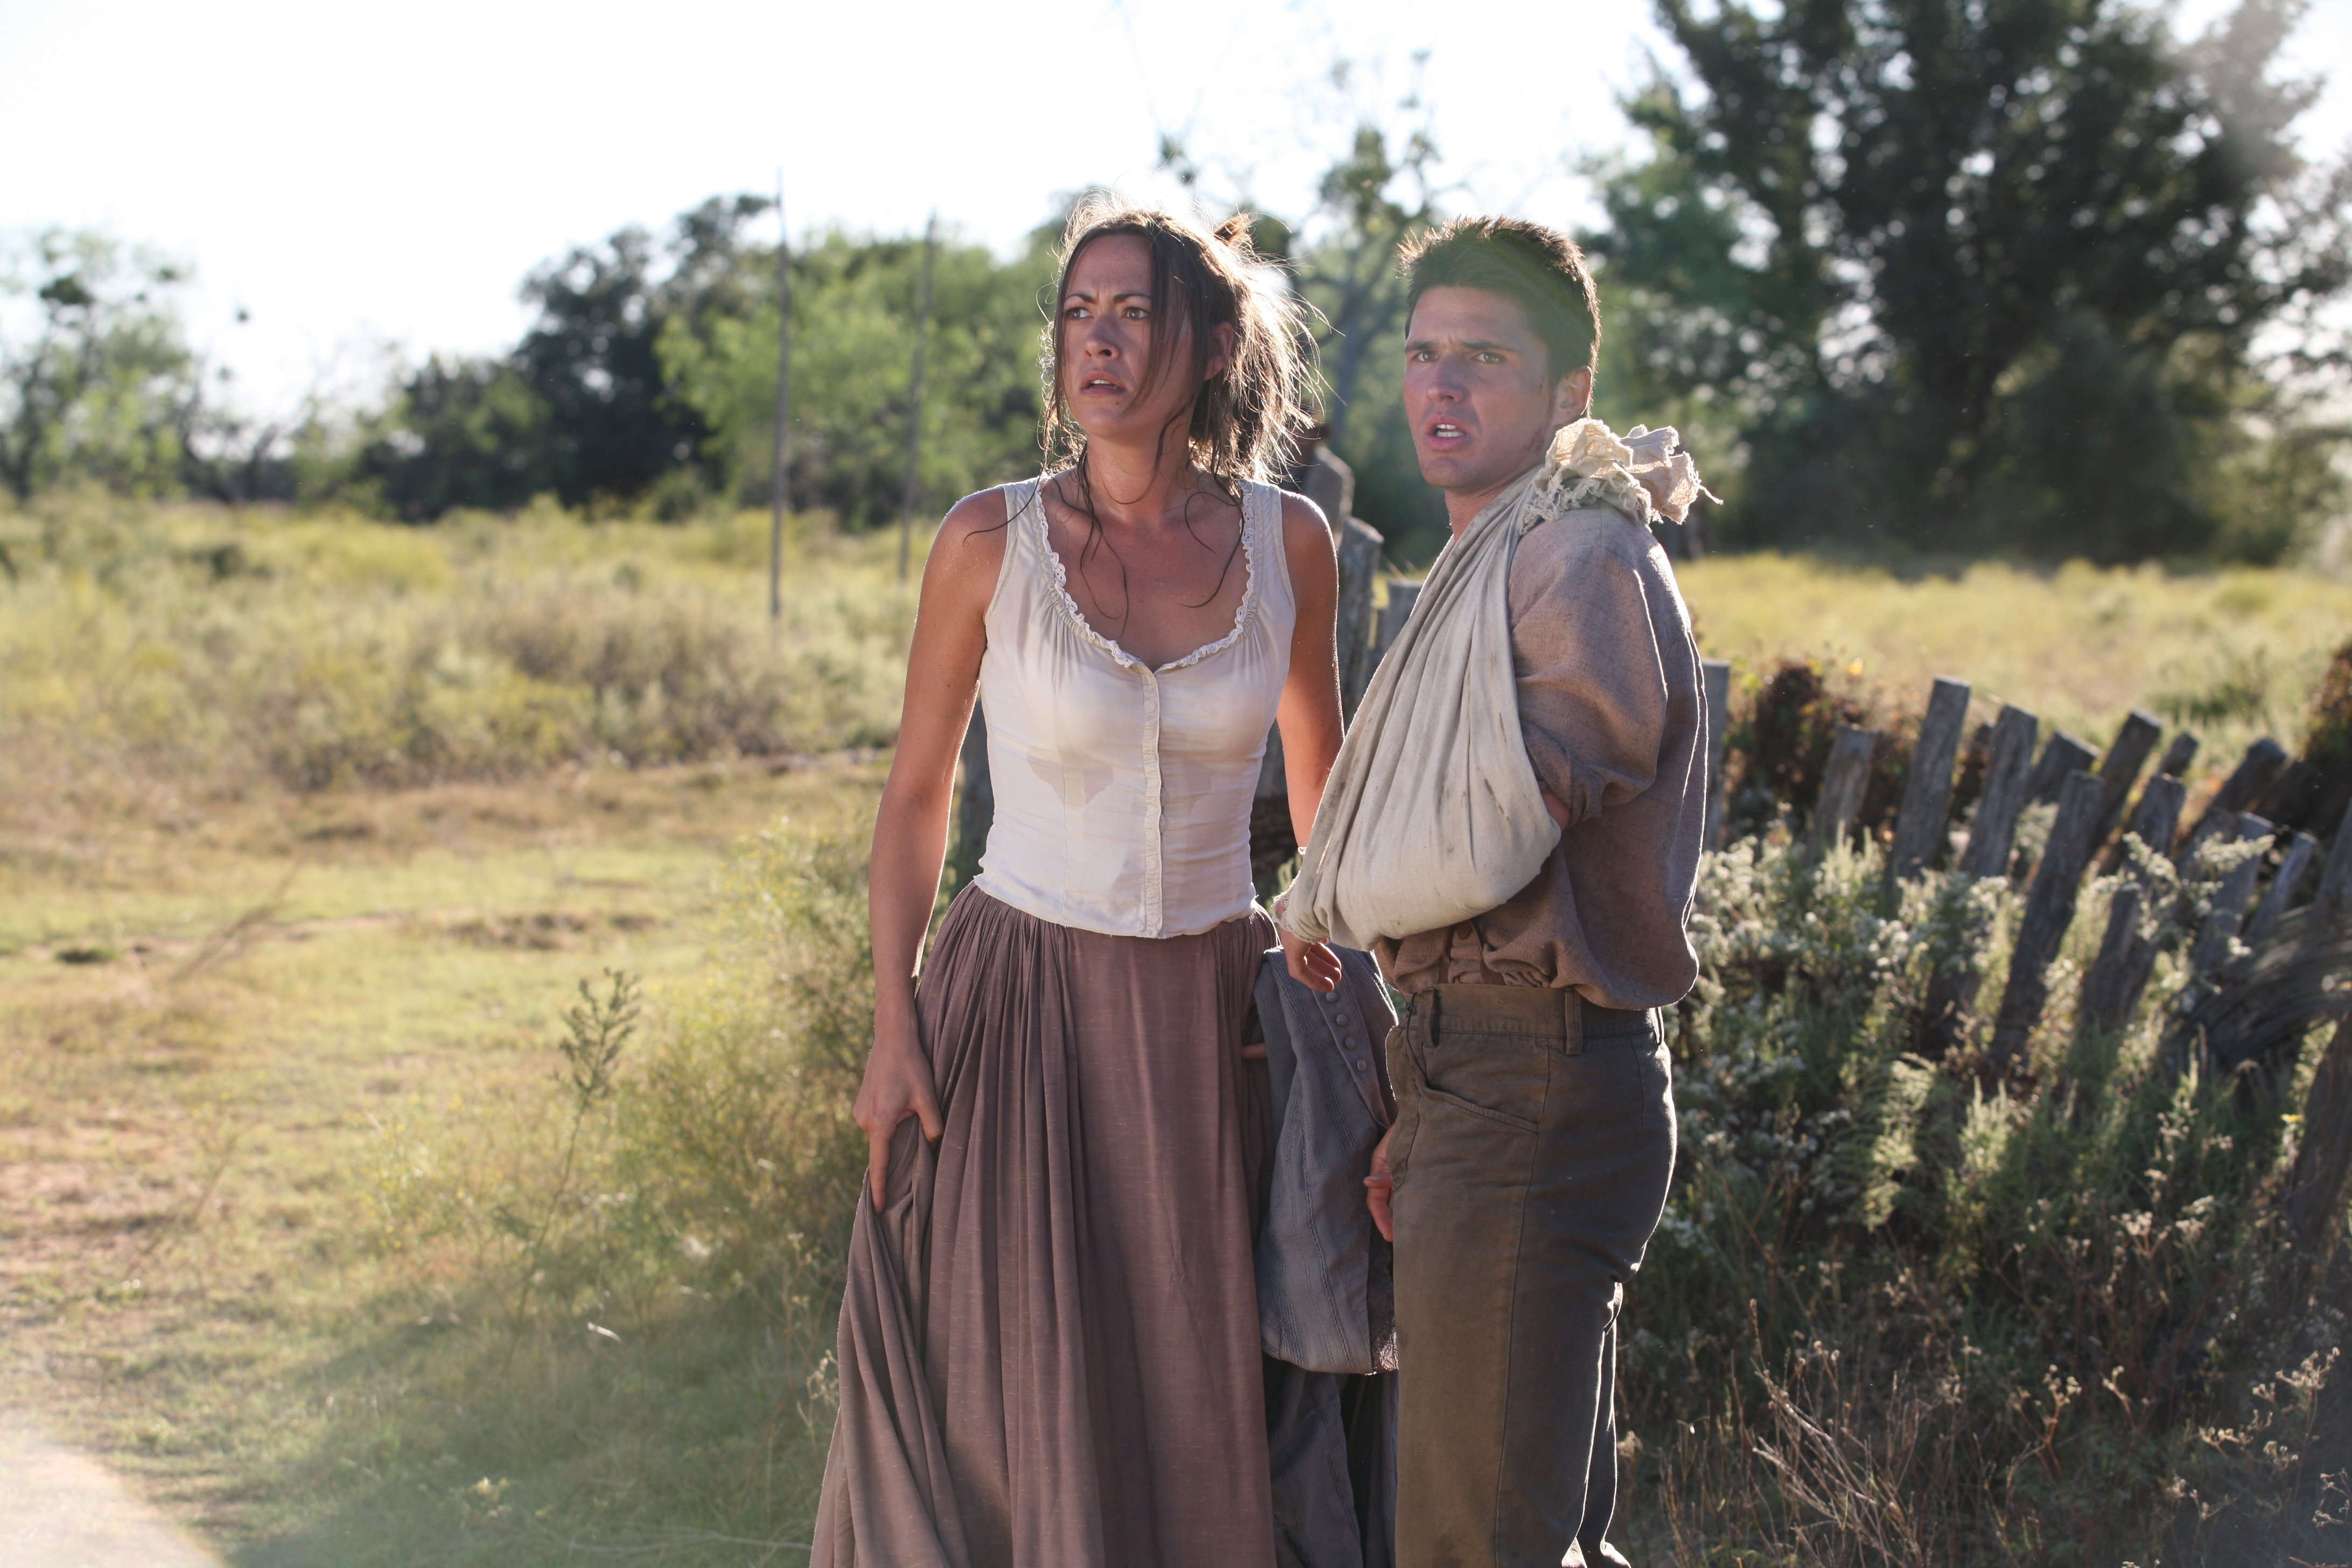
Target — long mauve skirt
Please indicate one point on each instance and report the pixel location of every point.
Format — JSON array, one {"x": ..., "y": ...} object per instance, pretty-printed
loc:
[{"x": 1049, "y": 1342}]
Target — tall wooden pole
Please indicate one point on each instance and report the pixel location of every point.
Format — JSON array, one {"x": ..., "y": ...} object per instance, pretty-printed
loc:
[
  {"x": 914, "y": 397},
  {"x": 779, "y": 485}
]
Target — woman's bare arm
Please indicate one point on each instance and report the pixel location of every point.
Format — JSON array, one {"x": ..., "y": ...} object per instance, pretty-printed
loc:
[
  {"x": 1309, "y": 713},
  {"x": 910, "y": 830}
]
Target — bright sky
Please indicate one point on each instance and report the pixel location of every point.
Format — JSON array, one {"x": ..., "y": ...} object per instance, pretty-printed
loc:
[{"x": 363, "y": 178}]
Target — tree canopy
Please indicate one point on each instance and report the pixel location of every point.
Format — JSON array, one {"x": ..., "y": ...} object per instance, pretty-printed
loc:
[
  {"x": 104, "y": 387},
  {"x": 650, "y": 376},
  {"x": 1971, "y": 274}
]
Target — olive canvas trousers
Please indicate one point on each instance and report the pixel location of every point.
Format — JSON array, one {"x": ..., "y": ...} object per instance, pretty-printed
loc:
[{"x": 1535, "y": 1139}]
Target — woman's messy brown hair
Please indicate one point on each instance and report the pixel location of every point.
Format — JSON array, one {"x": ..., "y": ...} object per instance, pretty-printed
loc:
[{"x": 1246, "y": 423}]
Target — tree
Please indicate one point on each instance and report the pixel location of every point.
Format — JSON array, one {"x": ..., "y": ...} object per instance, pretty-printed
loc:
[
  {"x": 1964, "y": 274},
  {"x": 462, "y": 432},
  {"x": 106, "y": 387},
  {"x": 853, "y": 340},
  {"x": 611, "y": 428}
]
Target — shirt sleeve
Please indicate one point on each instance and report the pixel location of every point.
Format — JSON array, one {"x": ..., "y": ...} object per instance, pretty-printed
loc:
[{"x": 1591, "y": 678}]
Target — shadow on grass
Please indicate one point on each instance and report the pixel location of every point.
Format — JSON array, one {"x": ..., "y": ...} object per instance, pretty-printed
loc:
[{"x": 695, "y": 1438}]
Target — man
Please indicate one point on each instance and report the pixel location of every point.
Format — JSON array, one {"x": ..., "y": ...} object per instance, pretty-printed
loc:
[{"x": 1536, "y": 1133}]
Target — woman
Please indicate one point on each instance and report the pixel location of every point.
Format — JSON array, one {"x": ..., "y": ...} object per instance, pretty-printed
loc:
[{"x": 1049, "y": 1343}]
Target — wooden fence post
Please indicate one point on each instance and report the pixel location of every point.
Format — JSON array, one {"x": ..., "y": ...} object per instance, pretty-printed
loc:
[
  {"x": 2120, "y": 770},
  {"x": 915, "y": 398},
  {"x": 2297, "y": 860},
  {"x": 1403, "y": 594},
  {"x": 1359, "y": 567},
  {"x": 2315, "y": 1184},
  {"x": 780, "y": 482},
  {"x": 2262, "y": 762},
  {"x": 2065, "y": 754},
  {"x": 2112, "y": 986},
  {"x": 1927, "y": 792},
  {"x": 1843, "y": 782},
  {"x": 2228, "y": 910},
  {"x": 2177, "y": 757},
  {"x": 1714, "y": 684},
  {"x": 1994, "y": 827},
  {"x": 2290, "y": 793},
  {"x": 2336, "y": 883},
  {"x": 2049, "y": 910}
]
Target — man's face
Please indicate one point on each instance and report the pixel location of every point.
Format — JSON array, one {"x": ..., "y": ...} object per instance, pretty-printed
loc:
[{"x": 1479, "y": 391}]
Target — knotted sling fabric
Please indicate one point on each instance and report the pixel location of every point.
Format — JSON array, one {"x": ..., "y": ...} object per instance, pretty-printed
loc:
[{"x": 1432, "y": 813}]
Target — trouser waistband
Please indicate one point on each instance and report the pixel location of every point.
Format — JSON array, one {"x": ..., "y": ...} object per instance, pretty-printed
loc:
[{"x": 1559, "y": 1015}]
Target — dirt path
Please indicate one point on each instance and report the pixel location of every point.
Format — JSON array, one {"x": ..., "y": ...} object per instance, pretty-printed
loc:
[{"x": 60, "y": 1510}]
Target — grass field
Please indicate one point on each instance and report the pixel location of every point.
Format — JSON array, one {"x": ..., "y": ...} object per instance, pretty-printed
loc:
[
  {"x": 2231, "y": 655},
  {"x": 195, "y": 1281},
  {"x": 310, "y": 827}
]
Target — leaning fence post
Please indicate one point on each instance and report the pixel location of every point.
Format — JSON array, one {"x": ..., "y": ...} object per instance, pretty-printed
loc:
[
  {"x": 1843, "y": 782},
  {"x": 2177, "y": 757},
  {"x": 1994, "y": 826},
  {"x": 1927, "y": 792},
  {"x": 2065, "y": 755},
  {"x": 2231, "y": 896},
  {"x": 2262, "y": 762},
  {"x": 2120, "y": 769},
  {"x": 2315, "y": 1184},
  {"x": 2049, "y": 910},
  {"x": 1715, "y": 682},
  {"x": 2112, "y": 986},
  {"x": 1985, "y": 854},
  {"x": 2336, "y": 883},
  {"x": 2292, "y": 866}
]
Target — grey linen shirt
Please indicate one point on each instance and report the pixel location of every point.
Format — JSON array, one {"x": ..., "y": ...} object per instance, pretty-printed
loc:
[{"x": 1610, "y": 704}]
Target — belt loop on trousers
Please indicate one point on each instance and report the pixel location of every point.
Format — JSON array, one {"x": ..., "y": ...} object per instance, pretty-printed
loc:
[{"x": 1571, "y": 1021}]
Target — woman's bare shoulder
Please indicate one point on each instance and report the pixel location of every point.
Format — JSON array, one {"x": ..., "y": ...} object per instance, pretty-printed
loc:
[
  {"x": 968, "y": 556},
  {"x": 978, "y": 517},
  {"x": 1307, "y": 547},
  {"x": 1304, "y": 526}
]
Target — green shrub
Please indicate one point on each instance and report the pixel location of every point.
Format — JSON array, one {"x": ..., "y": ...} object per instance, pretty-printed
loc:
[
  {"x": 216, "y": 651},
  {"x": 1895, "y": 1315}
]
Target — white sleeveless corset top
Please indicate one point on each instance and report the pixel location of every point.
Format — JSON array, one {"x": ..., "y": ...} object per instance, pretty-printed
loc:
[{"x": 1123, "y": 793}]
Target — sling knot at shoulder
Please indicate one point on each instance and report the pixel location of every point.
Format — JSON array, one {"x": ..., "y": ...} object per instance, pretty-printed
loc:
[{"x": 1639, "y": 474}]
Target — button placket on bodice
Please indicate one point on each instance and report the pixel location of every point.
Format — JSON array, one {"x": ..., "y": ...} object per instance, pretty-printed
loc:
[
  {"x": 1124, "y": 791},
  {"x": 1154, "y": 853}
]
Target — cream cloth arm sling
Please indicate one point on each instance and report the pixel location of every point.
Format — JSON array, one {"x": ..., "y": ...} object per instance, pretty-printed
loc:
[{"x": 1432, "y": 813}]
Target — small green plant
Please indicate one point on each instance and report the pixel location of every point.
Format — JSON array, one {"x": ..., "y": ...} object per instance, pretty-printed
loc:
[{"x": 594, "y": 1031}]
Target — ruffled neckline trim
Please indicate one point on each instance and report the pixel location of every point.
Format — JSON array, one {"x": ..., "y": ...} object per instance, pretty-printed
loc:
[{"x": 1059, "y": 576}]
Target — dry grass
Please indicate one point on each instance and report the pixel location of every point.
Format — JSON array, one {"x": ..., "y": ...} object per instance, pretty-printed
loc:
[
  {"x": 203, "y": 1279},
  {"x": 2230, "y": 655},
  {"x": 157, "y": 655}
]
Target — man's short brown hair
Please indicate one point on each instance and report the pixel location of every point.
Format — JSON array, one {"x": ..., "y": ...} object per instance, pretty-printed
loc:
[{"x": 1539, "y": 267}]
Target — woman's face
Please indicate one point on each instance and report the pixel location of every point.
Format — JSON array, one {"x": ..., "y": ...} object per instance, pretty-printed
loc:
[{"x": 1105, "y": 346}]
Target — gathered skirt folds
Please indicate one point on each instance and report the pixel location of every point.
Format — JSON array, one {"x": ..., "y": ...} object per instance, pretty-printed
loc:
[{"x": 1049, "y": 1340}]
